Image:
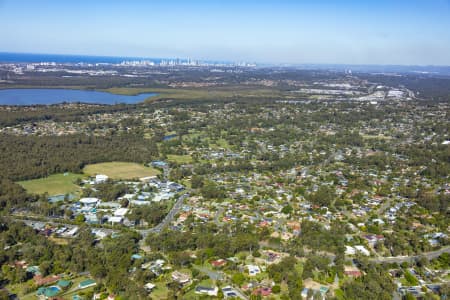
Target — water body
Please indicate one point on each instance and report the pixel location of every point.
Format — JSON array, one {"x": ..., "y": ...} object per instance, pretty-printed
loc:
[
  {"x": 55, "y": 96},
  {"x": 169, "y": 137},
  {"x": 11, "y": 57},
  {"x": 61, "y": 58}
]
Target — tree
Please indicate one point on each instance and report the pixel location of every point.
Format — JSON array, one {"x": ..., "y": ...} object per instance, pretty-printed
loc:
[
  {"x": 445, "y": 289},
  {"x": 373, "y": 285},
  {"x": 4, "y": 295},
  {"x": 210, "y": 190},
  {"x": 238, "y": 279},
  {"x": 80, "y": 219},
  {"x": 276, "y": 289},
  {"x": 409, "y": 296},
  {"x": 287, "y": 209},
  {"x": 411, "y": 278},
  {"x": 323, "y": 197},
  {"x": 68, "y": 213},
  {"x": 196, "y": 181}
]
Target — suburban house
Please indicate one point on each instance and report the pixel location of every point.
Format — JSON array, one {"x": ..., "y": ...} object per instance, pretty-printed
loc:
[
  {"x": 210, "y": 291},
  {"x": 181, "y": 278}
]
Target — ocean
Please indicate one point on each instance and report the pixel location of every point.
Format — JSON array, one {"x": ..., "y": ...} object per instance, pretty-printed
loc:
[{"x": 9, "y": 57}]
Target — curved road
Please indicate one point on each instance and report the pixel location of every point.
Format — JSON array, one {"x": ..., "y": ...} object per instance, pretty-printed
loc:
[
  {"x": 400, "y": 259},
  {"x": 168, "y": 218},
  {"x": 396, "y": 259}
]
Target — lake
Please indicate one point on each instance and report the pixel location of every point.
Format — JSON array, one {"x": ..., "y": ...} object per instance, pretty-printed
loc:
[
  {"x": 169, "y": 137},
  {"x": 54, "y": 96}
]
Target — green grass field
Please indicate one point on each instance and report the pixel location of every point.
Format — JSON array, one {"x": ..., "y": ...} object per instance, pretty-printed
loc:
[
  {"x": 53, "y": 185},
  {"x": 179, "y": 159},
  {"x": 160, "y": 291},
  {"x": 120, "y": 170}
]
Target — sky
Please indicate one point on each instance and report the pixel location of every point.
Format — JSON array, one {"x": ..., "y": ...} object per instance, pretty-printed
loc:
[{"x": 399, "y": 32}]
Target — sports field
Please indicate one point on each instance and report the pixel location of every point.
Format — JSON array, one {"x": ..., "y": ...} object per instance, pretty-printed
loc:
[
  {"x": 120, "y": 170},
  {"x": 53, "y": 185},
  {"x": 179, "y": 159}
]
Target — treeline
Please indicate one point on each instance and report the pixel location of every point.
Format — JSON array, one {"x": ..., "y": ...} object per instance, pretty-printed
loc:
[
  {"x": 29, "y": 157},
  {"x": 58, "y": 112},
  {"x": 57, "y": 79},
  {"x": 12, "y": 195}
]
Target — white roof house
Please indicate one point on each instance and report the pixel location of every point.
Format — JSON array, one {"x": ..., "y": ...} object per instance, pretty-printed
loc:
[
  {"x": 99, "y": 178},
  {"x": 115, "y": 219},
  {"x": 180, "y": 277},
  {"x": 71, "y": 232},
  {"x": 349, "y": 250},
  {"x": 362, "y": 249},
  {"x": 89, "y": 201},
  {"x": 149, "y": 286},
  {"x": 253, "y": 270},
  {"x": 140, "y": 202},
  {"x": 120, "y": 212},
  {"x": 99, "y": 233},
  {"x": 109, "y": 205},
  {"x": 210, "y": 291}
]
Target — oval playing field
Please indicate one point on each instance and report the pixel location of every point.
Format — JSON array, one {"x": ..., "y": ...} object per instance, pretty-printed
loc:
[{"x": 120, "y": 170}]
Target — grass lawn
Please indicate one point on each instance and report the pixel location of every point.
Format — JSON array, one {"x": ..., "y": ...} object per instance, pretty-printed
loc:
[
  {"x": 160, "y": 291},
  {"x": 220, "y": 144},
  {"x": 59, "y": 241},
  {"x": 339, "y": 294},
  {"x": 179, "y": 159},
  {"x": 53, "y": 185},
  {"x": 120, "y": 170},
  {"x": 19, "y": 289},
  {"x": 30, "y": 296}
]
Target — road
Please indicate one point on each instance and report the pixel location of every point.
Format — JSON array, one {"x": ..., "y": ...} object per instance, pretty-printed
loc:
[
  {"x": 400, "y": 259},
  {"x": 394, "y": 259},
  {"x": 214, "y": 275},
  {"x": 218, "y": 214},
  {"x": 168, "y": 218}
]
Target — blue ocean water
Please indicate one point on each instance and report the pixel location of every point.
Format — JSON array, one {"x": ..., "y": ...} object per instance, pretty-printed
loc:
[
  {"x": 11, "y": 57},
  {"x": 54, "y": 96},
  {"x": 60, "y": 58}
]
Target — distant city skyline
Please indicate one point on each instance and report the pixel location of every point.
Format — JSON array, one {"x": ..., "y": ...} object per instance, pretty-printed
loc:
[{"x": 274, "y": 32}]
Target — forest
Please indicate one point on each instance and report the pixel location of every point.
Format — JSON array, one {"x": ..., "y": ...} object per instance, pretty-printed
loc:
[{"x": 36, "y": 157}]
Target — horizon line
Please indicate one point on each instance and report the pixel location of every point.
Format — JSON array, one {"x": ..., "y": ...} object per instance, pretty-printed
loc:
[{"x": 285, "y": 64}]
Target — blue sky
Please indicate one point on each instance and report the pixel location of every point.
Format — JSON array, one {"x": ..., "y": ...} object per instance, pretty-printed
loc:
[{"x": 329, "y": 31}]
